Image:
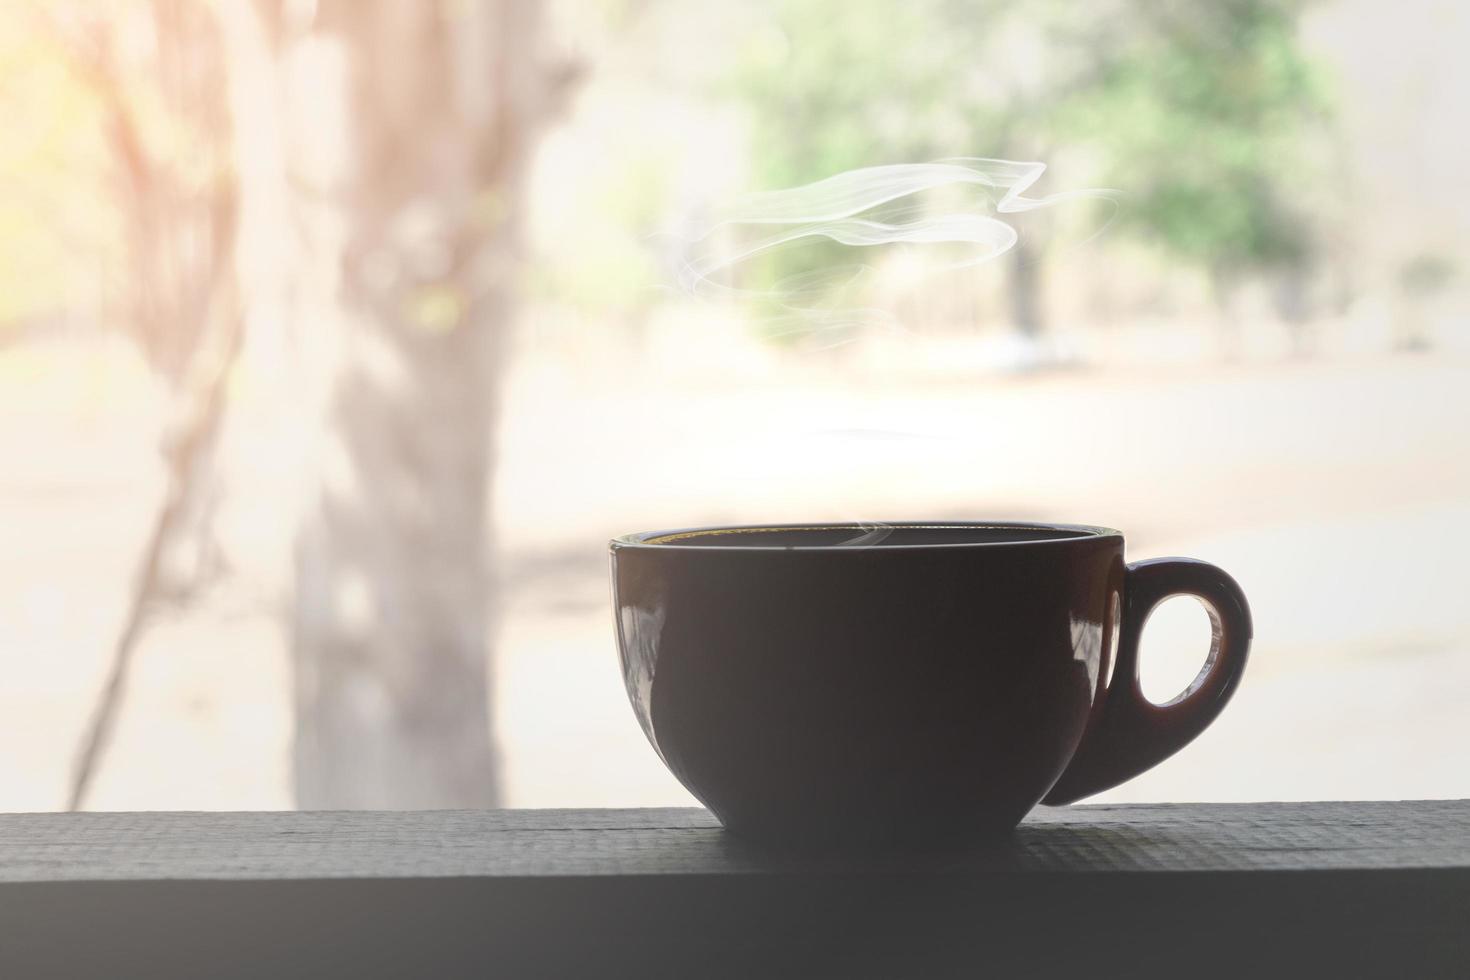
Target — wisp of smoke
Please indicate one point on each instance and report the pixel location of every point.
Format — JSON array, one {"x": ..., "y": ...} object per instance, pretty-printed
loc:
[
  {"x": 869, "y": 534},
  {"x": 871, "y": 206},
  {"x": 860, "y": 209}
]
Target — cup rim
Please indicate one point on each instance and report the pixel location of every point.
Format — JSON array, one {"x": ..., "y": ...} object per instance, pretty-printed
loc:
[{"x": 1065, "y": 534}]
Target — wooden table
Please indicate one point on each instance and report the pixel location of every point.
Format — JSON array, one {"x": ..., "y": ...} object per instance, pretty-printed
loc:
[{"x": 1261, "y": 890}]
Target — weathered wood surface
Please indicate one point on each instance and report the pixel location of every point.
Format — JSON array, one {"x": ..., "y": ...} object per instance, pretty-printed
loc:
[
  {"x": 538, "y": 843},
  {"x": 1199, "y": 890}
]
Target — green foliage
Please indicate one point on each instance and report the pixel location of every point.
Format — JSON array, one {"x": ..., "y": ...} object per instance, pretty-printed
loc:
[
  {"x": 1206, "y": 118},
  {"x": 1201, "y": 114},
  {"x": 600, "y": 215},
  {"x": 1426, "y": 274}
]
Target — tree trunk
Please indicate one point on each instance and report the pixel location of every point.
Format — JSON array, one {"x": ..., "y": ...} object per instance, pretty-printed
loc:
[
  {"x": 415, "y": 122},
  {"x": 1294, "y": 306},
  {"x": 1224, "y": 287},
  {"x": 1025, "y": 281}
]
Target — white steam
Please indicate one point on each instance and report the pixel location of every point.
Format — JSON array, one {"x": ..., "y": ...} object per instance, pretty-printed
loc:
[
  {"x": 950, "y": 209},
  {"x": 871, "y": 206},
  {"x": 869, "y": 534}
]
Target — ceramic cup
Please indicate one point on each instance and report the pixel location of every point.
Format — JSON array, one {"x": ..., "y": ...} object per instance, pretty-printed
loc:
[{"x": 924, "y": 683}]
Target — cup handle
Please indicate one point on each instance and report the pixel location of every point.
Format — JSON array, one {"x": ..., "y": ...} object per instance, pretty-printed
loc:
[{"x": 1128, "y": 733}]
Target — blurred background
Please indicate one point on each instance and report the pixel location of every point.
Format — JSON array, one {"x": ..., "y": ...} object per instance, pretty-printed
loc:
[{"x": 336, "y": 339}]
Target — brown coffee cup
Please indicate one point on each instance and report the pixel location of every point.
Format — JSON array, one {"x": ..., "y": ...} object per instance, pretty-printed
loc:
[{"x": 926, "y": 684}]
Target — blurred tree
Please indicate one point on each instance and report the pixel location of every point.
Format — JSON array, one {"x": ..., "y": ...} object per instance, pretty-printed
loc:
[
  {"x": 150, "y": 76},
  {"x": 1207, "y": 118},
  {"x": 1421, "y": 280},
  {"x": 406, "y": 134},
  {"x": 374, "y": 154},
  {"x": 1198, "y": 112}
]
